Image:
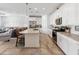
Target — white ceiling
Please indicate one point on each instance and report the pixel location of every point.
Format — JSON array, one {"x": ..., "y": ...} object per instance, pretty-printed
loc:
[
  {"x": 42, "y": 8},
  {"x": 30, "y": 8},
  {"x": 14, "y": 8}
]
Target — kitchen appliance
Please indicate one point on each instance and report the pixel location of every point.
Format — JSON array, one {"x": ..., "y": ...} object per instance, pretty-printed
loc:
[
  {"x": 58, "y": 21},
  {"x": 57, "y": 29}
]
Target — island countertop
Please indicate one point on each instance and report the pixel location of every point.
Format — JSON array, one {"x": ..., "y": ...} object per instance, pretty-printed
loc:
[
  {"x": 74, "y": 37},
  {"x": 29, "y": 31}
]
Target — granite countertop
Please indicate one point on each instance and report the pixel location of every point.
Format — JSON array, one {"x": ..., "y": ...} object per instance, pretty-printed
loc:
[{"x": 74, "y": 37}]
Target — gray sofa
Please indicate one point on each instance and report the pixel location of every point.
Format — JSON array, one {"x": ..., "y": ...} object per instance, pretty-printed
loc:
[{"x": 5, "y": 35}]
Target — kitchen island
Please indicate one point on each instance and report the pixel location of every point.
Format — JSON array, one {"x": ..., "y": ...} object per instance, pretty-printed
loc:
[{"x": 31, "y": 38}]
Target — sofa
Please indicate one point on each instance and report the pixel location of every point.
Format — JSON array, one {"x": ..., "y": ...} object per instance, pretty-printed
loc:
[{"x": 5, "y": 35}]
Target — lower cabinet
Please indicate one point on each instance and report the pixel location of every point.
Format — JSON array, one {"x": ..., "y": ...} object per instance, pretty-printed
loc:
[
  {"x": 50, "y": 32},
  {"x": 63, "y": 43},
  {"x": 73, "y": 48},
  {"x": 67, "y": 45}
]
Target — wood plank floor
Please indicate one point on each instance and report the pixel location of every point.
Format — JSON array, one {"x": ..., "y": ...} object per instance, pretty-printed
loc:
[{"x": 47, "y": 48}]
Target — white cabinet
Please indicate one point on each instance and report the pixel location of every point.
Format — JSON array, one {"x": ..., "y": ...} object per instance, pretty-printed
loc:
[
  {"x": 67, "y": 44},
  {"x": 73, "y": 48},
  {"x": 50, "y": 32},
  {"x": 62, "y": 43},
  {"x": 69, "y": 13}
]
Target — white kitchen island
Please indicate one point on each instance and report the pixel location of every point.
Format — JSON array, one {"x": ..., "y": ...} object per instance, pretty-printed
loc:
[{"x": 31, "y": 38}]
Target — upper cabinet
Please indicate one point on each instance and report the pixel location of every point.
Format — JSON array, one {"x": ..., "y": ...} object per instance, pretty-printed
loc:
[
  {"x": 69, "y": 13},
  {"x": 77, "y": 13}
]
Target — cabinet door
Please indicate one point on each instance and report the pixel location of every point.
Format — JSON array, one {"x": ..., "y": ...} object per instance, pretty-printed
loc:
[
  {"x": 73, "y": 48},
  {"x": 68, "y": 45},
  {"x": 59, "y": 41},
  {"x": 65, "y": 45},
  {"x": 62, "y": 43},
  {"x": 50, "y": 32},
  {"x": 77, "y": 49}
]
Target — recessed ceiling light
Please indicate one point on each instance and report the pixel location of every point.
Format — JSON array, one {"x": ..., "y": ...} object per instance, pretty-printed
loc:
[
  {"x": 43, "y": 8},
  {"x": 35, "y": 8}
]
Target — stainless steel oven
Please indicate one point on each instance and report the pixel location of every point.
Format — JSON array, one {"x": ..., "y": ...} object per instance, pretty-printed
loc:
[{"x": 54, "y": 32}]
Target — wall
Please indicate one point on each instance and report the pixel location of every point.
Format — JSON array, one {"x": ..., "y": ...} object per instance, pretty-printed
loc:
[
  {"x": 14, "y": 21},
  {"x": 69, "y": 13},
  {"x": 17, "y": 21},
  {"x": 2, "y": 22}
]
